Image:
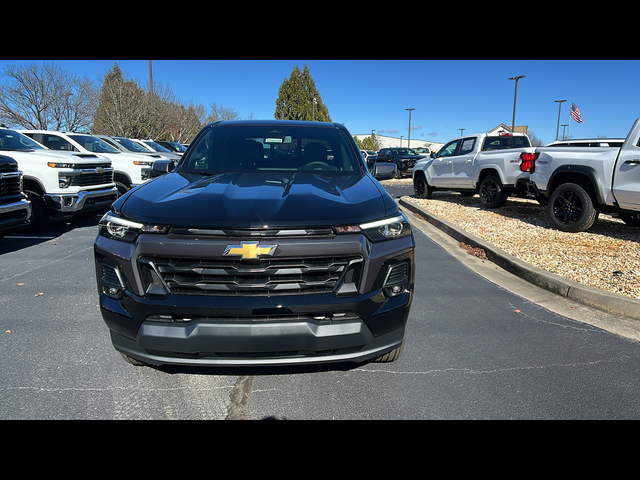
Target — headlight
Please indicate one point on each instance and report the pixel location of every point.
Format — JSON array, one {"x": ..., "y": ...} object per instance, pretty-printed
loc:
[
  {"x": 64, "y": 181},
  {"x": 385, "y": 229},
  {"x": 60, "y": 165},
  {"x": 112, "y": 226}
]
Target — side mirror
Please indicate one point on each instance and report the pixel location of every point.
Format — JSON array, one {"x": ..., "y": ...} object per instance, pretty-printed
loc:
[
  {"x": 433, "y": 155},
  {"x": 384, "y": 171},
  {"x": 163, "y": 166}
]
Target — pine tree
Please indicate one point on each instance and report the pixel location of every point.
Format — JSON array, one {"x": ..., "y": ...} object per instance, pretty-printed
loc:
[{"x": 296, "y": 98}]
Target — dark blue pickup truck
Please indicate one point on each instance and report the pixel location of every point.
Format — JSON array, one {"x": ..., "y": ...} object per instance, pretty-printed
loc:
[{"x": 269, "y": 243}]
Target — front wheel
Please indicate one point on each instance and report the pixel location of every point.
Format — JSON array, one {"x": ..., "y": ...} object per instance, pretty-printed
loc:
[
  {"x": 39, "y": 213},
  {"x": 391, "y": 356},
  {"x": 571, "y": 208},
  {"x": 421, "y": 188},
  {"x": 492, "y": 193}
]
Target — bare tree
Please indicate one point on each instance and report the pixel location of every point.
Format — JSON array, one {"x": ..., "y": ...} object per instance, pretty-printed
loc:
[
  {"x": 46, "y": 97},
  {"x": 184, "y": 122},
  {"x": 220, "y": 113}
]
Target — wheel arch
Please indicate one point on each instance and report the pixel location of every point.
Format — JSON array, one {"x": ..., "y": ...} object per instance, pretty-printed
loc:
[
  {"x": 33, "y": 185},
  {"x": 586, "y": 177}
]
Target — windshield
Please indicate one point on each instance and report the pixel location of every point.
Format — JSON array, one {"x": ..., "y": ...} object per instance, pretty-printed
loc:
[
  {"x": 156, "y": 147},
  {"x": 231, "y": 148},
  {"x": 130, "y": 145},
  {"x": 12, "y": 140},
  {"x": 179, "y": 147},
  {"x": 94, "y": 144}
]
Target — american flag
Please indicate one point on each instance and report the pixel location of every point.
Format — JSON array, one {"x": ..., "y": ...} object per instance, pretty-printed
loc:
[{"x": 575, "y": 113}]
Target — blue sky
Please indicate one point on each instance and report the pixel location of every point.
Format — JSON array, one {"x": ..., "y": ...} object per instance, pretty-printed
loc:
[{"x": 447, "y": 95}]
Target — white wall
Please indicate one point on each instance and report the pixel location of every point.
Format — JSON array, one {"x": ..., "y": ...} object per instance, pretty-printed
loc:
[{"x": 387, "y": 142}]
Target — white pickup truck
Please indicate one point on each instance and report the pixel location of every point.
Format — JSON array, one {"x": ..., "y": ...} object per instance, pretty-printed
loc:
[
  {"x": 491, "y": 165},
  {"x": 578, "y": 182},
  {"x": 130, "y": 170},
  {"x": 60, "y": 184}
]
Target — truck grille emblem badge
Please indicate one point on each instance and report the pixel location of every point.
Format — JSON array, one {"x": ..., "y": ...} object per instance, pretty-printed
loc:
[{"x": 250, "y": 250}]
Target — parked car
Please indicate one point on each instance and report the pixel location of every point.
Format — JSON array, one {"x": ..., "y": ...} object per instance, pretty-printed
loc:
[
  {"x": 271, "y": 244},
  {"x": 154, "y": 147},
  {"x": 129, "y": 170},
  {"x": 579, "y": 183},
  {"x": 404, "y": 158},
  {"x": 172, "y": 146},
  {"x": 588, "y": 142},
  {"x": 423, "y": 151},
  {"x": 15, "y": 208},
  {"x": 60, "y": 183},
  {"x": 491, "y": 165},
  {"x": 370, "y": 157}
]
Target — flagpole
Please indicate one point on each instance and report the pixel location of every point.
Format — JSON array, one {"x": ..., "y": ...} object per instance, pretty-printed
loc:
[{"x": 569, "y": 130}]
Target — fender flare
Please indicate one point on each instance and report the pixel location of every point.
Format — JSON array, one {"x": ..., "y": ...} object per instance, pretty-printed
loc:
[{"x": 579, "y": 171}]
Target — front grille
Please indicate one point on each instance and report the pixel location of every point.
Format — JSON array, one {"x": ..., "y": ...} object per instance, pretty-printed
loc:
[
  {"x": 10, "y": 184},
  {"x": 6, "y": 167},
  {"x": 281, "y": 276},
  {"x": 90, "y": 179}
]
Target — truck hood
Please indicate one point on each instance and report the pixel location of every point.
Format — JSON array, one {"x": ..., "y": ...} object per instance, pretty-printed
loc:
[
  {"x": 257, "y": 199},
  {"x": 119, "y": 157},
  {"x": 49, "y": 155}
]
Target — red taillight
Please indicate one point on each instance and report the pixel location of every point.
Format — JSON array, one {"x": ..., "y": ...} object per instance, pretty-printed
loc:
[{"x": 528, "y": 163}]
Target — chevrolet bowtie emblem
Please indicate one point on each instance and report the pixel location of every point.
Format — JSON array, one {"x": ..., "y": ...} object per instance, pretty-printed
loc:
[{"x": 250, "y": 250}]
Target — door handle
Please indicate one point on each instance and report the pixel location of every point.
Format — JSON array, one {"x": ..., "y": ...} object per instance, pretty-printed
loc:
[
  {"x": 635, "y": 161},
  {"x": 449, "y": 162},
  {"x": 467, "y": 161}
]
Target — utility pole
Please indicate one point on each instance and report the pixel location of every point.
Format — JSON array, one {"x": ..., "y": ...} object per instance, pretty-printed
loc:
[
  {"x": 515, "y": 97},
  {"x": 559, "y": 108},
  {"x": 150, "y": 79},
  {"x": 409, "y": 137}
]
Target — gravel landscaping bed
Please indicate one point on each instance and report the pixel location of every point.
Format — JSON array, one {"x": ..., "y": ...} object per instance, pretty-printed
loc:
[{"x": 606, "y": 257}]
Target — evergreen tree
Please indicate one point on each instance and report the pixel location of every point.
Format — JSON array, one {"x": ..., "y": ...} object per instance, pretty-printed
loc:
[
  {"x": 296, "y": 98},
  {"x": 120, "y": 106}
]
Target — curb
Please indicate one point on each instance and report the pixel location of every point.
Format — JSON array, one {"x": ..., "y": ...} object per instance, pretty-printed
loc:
[{"x": 574, "y": 291}]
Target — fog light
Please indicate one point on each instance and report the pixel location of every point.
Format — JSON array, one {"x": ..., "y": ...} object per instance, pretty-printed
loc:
[
  {"x": 397, "y": 279},
  {"x": 112, "y": 291}
]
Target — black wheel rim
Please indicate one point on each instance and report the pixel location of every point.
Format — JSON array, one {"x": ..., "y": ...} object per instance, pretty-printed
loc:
[
  {"x": 419, "y": 187},
  {"x": 489, "y": 192},
  {"x": 567, "y": 208}
]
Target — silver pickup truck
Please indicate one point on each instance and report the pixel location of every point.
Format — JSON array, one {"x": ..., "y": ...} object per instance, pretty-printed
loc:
[
  {"x": 491, "y": 165},
  {"x": 579, "y": 181}
]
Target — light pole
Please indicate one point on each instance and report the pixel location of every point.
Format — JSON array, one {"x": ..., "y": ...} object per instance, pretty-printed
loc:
[
  {"x": 150, "y": 79},
  {"x": 409, "y": 137},
  {"x": 559, "y": 108},
  {"x": 515, "y": 97},
  {"x": 462, "y": 130}
]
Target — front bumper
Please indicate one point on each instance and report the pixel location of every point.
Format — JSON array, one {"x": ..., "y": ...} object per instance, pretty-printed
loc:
[
  {"x": 264, "y": 329},
  {"x": 80, "y": 202},
  {"x": 14, "y": 214}
]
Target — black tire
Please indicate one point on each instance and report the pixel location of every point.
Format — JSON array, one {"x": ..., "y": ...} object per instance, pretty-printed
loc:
[
  {"x": 134, "y": 361},
  {"x": 391, "y": 356},
  {"x": 571, "y": 208},
  {"x": 39, "y": 213},
  {"x": 631, "y": 219},
  {"x": 492, "y": 193},
  {"x": 421, "y": 188},
  {"x": 122, "y": 188}
]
